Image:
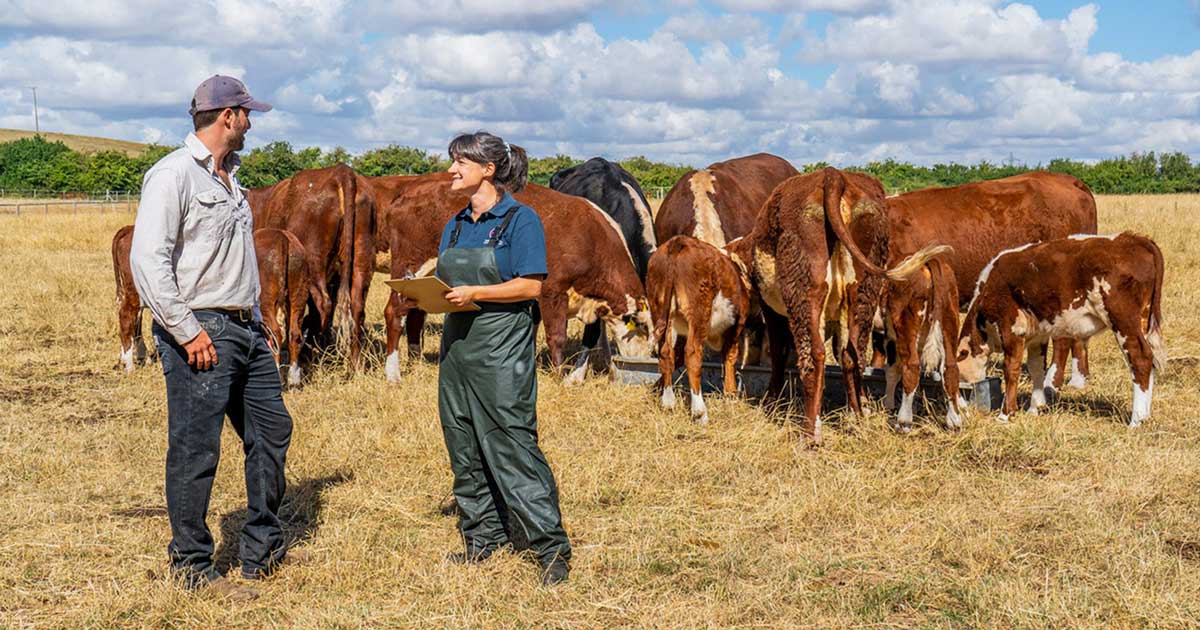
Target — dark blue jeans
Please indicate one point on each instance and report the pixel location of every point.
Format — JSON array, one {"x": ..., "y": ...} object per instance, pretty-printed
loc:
[{"x": 244, "y": 384}]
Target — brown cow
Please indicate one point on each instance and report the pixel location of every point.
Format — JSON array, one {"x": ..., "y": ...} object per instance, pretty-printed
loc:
[
  {"x": 921, "y": 317},
  {"x": 332, "y": 212},
  {"x": 591, "y": 273},
  {"x": 129, "y": 304},
  {"x": 981, "y": 219},
  {"x": 807, "y": 265},
  {"x": 1072, "y": 288},
  {"x": 702, "y": 293},
  {"x": 286, "y": 287}
]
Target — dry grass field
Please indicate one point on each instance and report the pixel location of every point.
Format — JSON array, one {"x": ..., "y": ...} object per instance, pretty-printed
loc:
[
  {"x": 85, "y": 144},
  {"x": 1065, "y": 520}
]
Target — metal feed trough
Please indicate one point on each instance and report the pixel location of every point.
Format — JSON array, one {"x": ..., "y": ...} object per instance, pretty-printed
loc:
[{"x": 753, "y": 380}]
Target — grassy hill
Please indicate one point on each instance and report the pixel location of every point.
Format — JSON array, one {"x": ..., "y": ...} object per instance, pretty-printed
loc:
[{"x": 84, "y": 144}]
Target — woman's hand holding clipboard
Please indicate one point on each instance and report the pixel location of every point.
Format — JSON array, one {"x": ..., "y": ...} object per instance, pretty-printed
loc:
[{"x": 429, "y": 293}]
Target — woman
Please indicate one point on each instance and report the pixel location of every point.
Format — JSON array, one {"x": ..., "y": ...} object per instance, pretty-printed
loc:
[{"x": 493, "y": 254}]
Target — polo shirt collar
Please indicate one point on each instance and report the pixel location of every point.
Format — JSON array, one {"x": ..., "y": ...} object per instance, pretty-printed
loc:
[
  {"x": 202, "y": 155},
  {"x": 502, "y": 207}
]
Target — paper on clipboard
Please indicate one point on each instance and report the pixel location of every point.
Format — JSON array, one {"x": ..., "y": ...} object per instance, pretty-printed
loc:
[{"x": 429, "y": 293}]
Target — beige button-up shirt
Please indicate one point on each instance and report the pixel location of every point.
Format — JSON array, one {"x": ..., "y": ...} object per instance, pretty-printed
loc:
[{"x": 193, "y": 240}]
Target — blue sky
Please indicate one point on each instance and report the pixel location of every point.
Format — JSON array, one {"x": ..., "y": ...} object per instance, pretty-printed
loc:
[{"x": 843, "y": 81}]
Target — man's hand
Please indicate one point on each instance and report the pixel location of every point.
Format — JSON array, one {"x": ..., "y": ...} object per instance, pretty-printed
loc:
[
  {"x": 201, "y": 353},
  {"x": 462, "y": 296}
]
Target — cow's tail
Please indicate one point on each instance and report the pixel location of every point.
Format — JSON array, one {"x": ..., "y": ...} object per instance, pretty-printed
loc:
[
  {"x": 345, "y": 191},
  {"x": 666, "y": 298},
  {"x": 943, "y": 301},
  {"x": 1158, "y": 349},
  {"x": 116, "y": 258},
  {"x": 834, "y": 188},
  {"x": 917, "y": 261}
]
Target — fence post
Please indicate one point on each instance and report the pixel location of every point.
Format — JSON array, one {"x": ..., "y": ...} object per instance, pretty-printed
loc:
[
  {"x": 18, "y": 209},
  {"x": 45, "y": 209}
]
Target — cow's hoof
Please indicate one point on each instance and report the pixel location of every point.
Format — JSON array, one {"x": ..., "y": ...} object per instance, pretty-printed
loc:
[
  {"x": 1134, "y": 423},
  {"x": 701, "y": 419},
  {"x": 575, "y": 377},
  {"x": 1002, "y": 417},
  {"x": 1078, "y": 381},
  {"x": 668, "y": 398},
  {"x": 295, "y": 375},
  {"x": 391, "y": 367}
]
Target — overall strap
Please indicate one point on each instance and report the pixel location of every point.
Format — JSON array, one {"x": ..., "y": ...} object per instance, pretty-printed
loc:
[
  {"x": 495, "y": 238},
  {"x": 458, "y": 222}
]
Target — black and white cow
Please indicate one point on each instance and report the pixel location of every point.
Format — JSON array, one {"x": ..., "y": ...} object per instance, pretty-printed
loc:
[{"x": 615, "y": 191}]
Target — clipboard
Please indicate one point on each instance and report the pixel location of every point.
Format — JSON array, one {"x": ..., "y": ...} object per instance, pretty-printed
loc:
[{"x": 429, "y": 294}]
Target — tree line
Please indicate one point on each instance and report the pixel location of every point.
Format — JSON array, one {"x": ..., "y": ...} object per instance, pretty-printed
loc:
[{"x": 37, "y": 164}]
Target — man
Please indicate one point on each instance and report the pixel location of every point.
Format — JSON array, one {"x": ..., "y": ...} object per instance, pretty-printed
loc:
[{"x": 194, "y": 266}]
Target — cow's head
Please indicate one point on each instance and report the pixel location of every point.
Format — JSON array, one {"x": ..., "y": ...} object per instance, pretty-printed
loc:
[
  {"x": 632, "y": 329},
  {"x": 975, "y": 342}
]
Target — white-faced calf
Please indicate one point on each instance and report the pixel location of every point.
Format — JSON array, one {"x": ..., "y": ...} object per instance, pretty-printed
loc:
[
  {"x": 1074, "y": 288},
  {"x": 702, "y": 293},
  {"x": 921, "y": 319}
]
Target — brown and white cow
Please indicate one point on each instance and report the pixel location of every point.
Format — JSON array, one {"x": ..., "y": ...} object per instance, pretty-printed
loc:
[
  {"x": 720, "y": 204},
  {"x": 1070, "y": 288},
  {"x": 591, "y": 274},
  {"x": 700, "y": 293},
  {"x": 808, "y": 265},
  {"x": 286, "y": 287},
  {"x": 921, "y": 320},
  {"x": 981, "y": 219},
  {"x": 332, "y": 212},
  {"x": 129, "y": 304}
]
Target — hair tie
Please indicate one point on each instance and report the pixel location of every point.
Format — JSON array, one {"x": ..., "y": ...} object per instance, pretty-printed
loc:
[{"x": 507, "y": 150}]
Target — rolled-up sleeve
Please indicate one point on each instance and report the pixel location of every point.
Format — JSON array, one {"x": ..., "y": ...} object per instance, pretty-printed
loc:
[
  {"x": 528, "y": 239},
  {"x": 155, "y": 232}
]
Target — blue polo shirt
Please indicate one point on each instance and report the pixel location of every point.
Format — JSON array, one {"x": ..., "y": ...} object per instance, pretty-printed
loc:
[{"x": 521, "y": 250}]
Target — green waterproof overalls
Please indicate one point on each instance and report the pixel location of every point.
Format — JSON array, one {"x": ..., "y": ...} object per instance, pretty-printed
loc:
[{"x": 487, "y": 400}]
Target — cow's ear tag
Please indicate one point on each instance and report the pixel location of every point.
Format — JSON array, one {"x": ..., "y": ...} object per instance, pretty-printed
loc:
[{"x": 630, "y": 326}]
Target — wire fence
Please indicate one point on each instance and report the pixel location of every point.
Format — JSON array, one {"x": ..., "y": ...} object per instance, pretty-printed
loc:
[
  {"x": 107, "y": 196},
  {"x": 66, "y": 206}
]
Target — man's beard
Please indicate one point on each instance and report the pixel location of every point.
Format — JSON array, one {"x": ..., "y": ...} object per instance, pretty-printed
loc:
[{"x": 237, "y": 142}]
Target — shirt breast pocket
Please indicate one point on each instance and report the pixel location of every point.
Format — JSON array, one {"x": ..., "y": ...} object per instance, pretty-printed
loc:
[{"x": 213, "y": 213}]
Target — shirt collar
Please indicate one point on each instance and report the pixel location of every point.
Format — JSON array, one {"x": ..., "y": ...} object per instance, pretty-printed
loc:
[
  {"x": 202, "y": 155},
  {"x": 502, "y": 207}
]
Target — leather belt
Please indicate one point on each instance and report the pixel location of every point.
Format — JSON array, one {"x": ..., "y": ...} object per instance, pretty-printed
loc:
[{"x": 243, "y": 315}]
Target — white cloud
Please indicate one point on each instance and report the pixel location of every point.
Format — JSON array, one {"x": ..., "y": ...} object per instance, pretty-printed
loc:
[
  {"x": 247, "y": 24},
  {"x": 930, "y": 81},
  {"x": 836, "y": 6},
  {"x": 948, "y": 31},
  {"x": 475, "y": 16},
  {"x": 698, "y": 26},
  {"x": 83, "y": 74},
  {"x": 1110, "y": 72}
]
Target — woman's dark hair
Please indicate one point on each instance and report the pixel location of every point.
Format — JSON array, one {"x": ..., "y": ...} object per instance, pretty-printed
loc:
[{"x": 512, "y": 165}]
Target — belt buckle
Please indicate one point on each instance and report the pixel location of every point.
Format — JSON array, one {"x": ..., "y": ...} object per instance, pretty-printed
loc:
[{"x": 244, "y": 316}]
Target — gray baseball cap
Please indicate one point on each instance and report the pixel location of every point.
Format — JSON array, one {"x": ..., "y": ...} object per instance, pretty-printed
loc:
[{"x": 220, "y": 91}]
